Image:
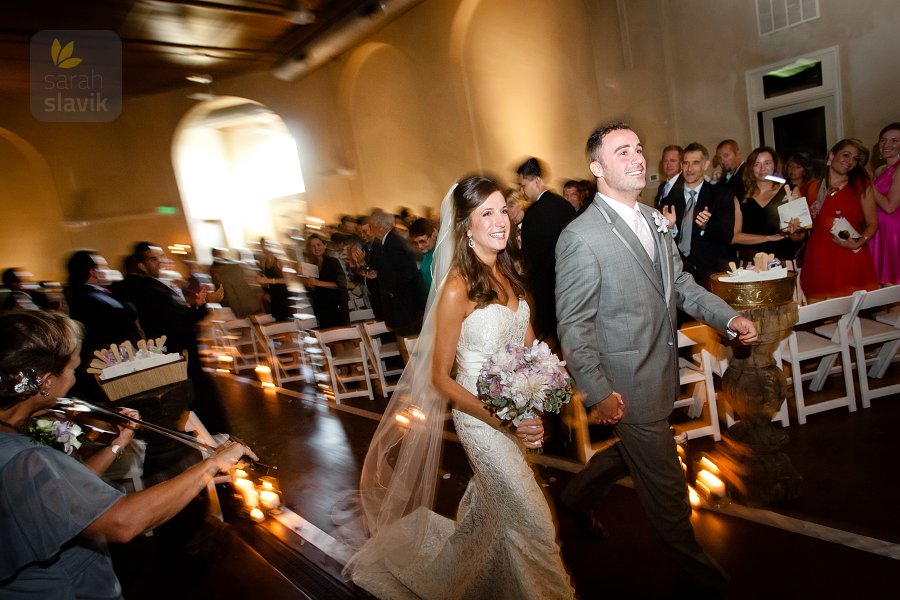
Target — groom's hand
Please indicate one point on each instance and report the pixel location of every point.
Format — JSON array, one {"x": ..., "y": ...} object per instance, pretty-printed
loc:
[
  {"x": 744, "y": 328},
  {"x": 608, "y": 411}
]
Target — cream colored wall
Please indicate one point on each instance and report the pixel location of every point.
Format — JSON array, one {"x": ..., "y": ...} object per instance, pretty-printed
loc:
[
  {"x": 450, "y": 87},
  {"x": 709, "y": 51}
]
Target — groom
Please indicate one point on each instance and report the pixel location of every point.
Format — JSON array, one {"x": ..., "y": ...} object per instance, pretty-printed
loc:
[{"x": 619, "y": 285}]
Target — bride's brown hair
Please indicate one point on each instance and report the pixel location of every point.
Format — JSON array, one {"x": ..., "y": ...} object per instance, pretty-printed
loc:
[{"x": 481, "y": 285}]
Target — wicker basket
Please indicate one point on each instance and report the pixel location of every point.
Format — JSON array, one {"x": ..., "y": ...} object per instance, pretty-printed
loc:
[{"x": 148, "y": 379}]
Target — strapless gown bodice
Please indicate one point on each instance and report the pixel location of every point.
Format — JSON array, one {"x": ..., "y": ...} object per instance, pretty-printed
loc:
[{"x": 483, "y": 333}]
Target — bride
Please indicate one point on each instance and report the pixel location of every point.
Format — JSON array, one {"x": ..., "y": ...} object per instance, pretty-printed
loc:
[{"x": 503, "y": 541}]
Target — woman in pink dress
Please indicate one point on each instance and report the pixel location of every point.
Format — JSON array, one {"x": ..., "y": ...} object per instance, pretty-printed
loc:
[
  {"x": 838, "y": 265},
  {"x": 885, "y": 243}
]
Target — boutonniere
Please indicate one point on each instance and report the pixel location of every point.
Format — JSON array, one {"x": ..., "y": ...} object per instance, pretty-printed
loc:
[{"x": 662, "y": 224}]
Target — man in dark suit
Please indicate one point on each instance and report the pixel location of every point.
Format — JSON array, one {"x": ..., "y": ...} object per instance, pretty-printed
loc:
[
  {"x": 163, "y": 312},
  {"x": 670, "y": 167},
  {"x": 399, "y": 282},
  {"x": 702, "y": 218},
  {"x": 619, "y": 283},
  {"x": 548, "y": 214},
  {"x": 106, "y": 320},
  {"x": 729, "y": 155}
]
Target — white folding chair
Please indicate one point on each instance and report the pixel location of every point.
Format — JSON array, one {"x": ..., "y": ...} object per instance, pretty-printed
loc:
[
  {"x": 238, "y": 339},
  {"x": 286, "y": 352},
  {"x": 347, "y": 360},
  {"x": 696, "y": 379},
  {"x": 883, "y": 330},
  {"x": 803, "y": 345},
  {"x": 384, "y": 354},
  {"x": 192, "y": 425}
]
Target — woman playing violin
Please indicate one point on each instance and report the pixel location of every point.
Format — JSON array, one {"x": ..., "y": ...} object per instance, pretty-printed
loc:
[{"x": 56, "y": 513}]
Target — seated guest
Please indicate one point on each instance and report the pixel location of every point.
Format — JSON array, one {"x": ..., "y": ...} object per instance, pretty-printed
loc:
[
  {"x": 838, "y": 265},
  {"x": 56, "y": 514},
  {"x": 701, "y": 216},
  {"x": 17, "y": 297},
  {"x": 328, "y": 290},
  {"x": 423, "y": 236},
  {"x": 106, "y": 320},
  {"x": 757, "y": 224}
]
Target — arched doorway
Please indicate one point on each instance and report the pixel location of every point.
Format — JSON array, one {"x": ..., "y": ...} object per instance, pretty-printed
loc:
[{"x": 239, "y": 175}]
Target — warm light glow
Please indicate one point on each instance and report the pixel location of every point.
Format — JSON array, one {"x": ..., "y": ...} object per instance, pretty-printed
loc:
[
  {"x": 712, "y": 483},
  {"x": 416, "y": 413},
  {"x": 225, "y": 358},
  {"x": 257, "y": 515},
  {"x": 694, "y": 496},
  {"x": 242, "y": 483},
  {"x": 709, "y": 465},
  {"x": 269, "y": 500},
  {"x": 260, "y": 369},
  {"x": 402, "y": 419},
  {"x": 240, "y": 474},
  {"x": 268, "y": 384}
]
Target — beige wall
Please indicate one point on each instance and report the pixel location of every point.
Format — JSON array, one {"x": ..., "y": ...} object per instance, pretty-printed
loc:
[{"x": 450, "y": 87}]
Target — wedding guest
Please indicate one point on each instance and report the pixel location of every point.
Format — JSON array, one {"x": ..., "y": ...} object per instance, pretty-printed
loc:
[
  {"x": 799, "y": 171},
  {"x": 273, "y": 281},
  {"x": 885, "y": 243},
  {"x": 503, "y": 543},
  {"x": 105, "y": 320},
  {"x": 423, "y": 236},
  {"x": 17, "y": 297},
  {"x": 757, "y": 224},
  {"x": 838, "y": 265},
  {"x": 399, "y": 283},
  {"x": 328, "y": 289},
  {"x": 56, "y": 514},
  {"x": 728, "y": 154}
]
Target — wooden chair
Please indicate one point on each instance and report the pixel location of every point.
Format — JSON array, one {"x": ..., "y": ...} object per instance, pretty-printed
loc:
[
  {"x": 347, "y": 360},
  {"x": 803, "y": 344},
  {"x": 384, "y": 354}
]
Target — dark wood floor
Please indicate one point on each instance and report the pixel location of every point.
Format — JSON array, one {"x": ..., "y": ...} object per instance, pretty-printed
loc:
[{"x": 850, "y": 492}]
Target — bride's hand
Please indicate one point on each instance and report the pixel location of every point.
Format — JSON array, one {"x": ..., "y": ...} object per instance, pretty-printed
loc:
[{"x": 531, "y": 432}]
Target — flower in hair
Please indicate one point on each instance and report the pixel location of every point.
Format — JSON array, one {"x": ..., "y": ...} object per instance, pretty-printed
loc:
[{"x": 23, "y": 383}]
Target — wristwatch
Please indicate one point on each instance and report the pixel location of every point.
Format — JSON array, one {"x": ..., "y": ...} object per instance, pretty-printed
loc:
[{"x": 117, "y": 450}]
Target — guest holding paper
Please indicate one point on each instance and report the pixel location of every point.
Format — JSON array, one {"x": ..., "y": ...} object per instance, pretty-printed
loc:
[
  {"x": 327, "y": 290},
  {"x": 838, "y": 261},
  {"x": 799, "y": 170},
  {"x": 885, "y": 243},
  {"x": 757, "y": 224}
]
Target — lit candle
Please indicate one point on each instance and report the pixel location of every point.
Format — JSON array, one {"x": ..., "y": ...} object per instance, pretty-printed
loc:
[
  {"x": 257, "y": 515},
  {"x": 269, "y": 499},
  {"x": 715, "y": 485},
  {"x": 248, "y": 491},
  {"x": 693, "y": 496},
  {"x": 709, "y": 465},
  {"x": 240, "y": 474}
]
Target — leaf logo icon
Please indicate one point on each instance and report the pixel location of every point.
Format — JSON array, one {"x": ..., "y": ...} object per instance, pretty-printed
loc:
[{"x": 62, "y": 55}]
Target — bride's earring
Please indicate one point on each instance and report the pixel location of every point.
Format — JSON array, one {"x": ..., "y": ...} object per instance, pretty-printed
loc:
[{"x": 471, "y": 241}]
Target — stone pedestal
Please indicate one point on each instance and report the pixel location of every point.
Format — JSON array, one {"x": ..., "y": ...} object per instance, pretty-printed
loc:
[{"x": 753, "y": 460}]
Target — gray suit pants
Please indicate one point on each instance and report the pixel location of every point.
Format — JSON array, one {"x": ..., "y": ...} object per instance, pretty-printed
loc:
[{"x": 646, "y": 451}]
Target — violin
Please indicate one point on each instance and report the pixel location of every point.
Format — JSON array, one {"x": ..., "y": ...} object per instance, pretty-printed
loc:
[{"x": 100, "y": 422}]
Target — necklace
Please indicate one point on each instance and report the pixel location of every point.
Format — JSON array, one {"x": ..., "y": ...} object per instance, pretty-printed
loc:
[{"x": 832, "y": 190}]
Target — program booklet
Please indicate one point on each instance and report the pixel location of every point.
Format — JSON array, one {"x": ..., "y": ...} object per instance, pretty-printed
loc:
[{"x": 795, "y": 209}]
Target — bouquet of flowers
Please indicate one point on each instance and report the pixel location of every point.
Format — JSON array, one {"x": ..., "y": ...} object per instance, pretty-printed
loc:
[
  {"x": 52, "y": 431},
  {"x": 520, "y": 381}
]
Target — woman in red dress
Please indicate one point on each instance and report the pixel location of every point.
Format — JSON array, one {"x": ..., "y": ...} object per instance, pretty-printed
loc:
[{"x": 837, "y": 265}]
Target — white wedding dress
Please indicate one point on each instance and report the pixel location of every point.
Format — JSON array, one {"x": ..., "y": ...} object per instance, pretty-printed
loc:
[{"x": 503, "y": 541}]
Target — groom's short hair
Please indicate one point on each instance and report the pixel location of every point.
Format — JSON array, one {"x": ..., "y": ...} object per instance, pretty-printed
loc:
[{"x": 595, "y": 141}]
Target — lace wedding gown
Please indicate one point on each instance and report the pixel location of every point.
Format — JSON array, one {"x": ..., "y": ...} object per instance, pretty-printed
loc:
[{"x": 503, "y": 542}]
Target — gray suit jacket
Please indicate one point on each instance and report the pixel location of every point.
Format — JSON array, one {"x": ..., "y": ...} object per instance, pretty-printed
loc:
[{"x": 617, "y": 311}]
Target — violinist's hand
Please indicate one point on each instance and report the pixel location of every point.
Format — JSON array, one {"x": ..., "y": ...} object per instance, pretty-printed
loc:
[
  {"x": 126, "y": 428},
  {"x": 229, "y": 453}
]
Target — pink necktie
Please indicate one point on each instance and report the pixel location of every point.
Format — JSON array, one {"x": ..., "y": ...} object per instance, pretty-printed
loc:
[{"x": 643, "y": 232}]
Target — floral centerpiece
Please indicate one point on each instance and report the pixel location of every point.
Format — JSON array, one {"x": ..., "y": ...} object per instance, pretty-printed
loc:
[
  {"x": 50, "y": 432},
  {"x": 521, "y": 381}
]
